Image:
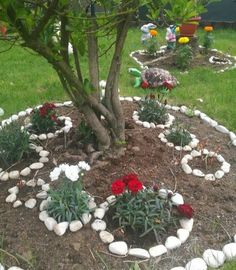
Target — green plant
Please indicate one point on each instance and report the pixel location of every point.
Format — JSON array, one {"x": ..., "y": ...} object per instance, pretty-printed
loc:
[
  {"x": 152, "y": 111},
  {"x": 86, "y": 134},
  {"x": 179, "y": 135},
  {"x": 184, "y": 54},
  {"x": 44, "y": 119},
  {"x": 14, "y": 143},
  {"x": 151, "y": 44},
  {"x": 208, "y": 38}
]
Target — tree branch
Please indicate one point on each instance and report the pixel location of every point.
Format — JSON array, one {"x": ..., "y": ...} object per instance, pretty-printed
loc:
[{"x": 64, "y": 39}]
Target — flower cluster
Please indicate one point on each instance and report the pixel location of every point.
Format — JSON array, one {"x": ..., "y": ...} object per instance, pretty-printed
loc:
[
  {"x": 185, "y": 210},
  {"x": 208, "y": 28},
  {"x": 129, "y": 181},
  {"x": 3, "y": 30},
  {"x": 153, "y": 32},
  {"x": 46, "y": 109},
  {"x": 183, "y": 40},
  {"x": 184, "y": 54},
  {"x": 72, "y": 172},
  {"x": 208, "y": 38}
]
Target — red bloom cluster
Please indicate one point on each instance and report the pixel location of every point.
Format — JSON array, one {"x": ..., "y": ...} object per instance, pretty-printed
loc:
[
  {"x": 185, "y": 210},
  {"x": 130, "y": 181},
  {"x": 3, "y": 30},
  {"x": 144, "y": 85},
  {"x": 46, "y": 109},
  {"x": 167, "y": 85}
]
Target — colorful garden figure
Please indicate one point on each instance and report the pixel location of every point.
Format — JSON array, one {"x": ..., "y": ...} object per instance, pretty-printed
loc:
[
  {"x": 146, "y": 31},
  {"x": 152, "y": 78},
  {"x": 171, "y": 36}
]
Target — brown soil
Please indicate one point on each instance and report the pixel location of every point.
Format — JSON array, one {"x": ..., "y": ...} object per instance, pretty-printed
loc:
[
  {"x": 167, "y": 60},
  {"x": 25, "y": 236}
]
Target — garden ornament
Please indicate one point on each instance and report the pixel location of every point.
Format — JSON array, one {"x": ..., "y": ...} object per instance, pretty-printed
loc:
[
  {"x": 152, "y": 77},
  {"x": 146, "y": 31},
  {"x": 171, "y": 36}
]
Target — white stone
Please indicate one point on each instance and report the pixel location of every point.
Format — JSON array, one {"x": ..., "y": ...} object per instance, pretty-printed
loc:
[
  {"x": 33, "y": 137},
  {"x": 111, "y": 199},
  {"x": 2, "y": 267},
  {"x": 205, "y": 151},
  {"x": 50, "y": 135},
  {"x": 31, "y": 183},
  {"x": 186, "y": 224},
  {"x": 160, "y": 126},
  {"x": 137, "y": 98},
  {"x": 198, "y": 173},
  {"x": 170, "y": 144},
  {"x": 210, "y": 177},
  {"x": 213, "y": 123},
  {"x": 177, "y": 199},
  {"x": 138, "y": 122},
  {"x": 42, "y": 137},
  {"x": 183, "y": 235},
  {"x": 25, "y": 172},
  {"x": 135, "y": 117},
  {"x": 152, "y": 125},
  {"x": 118, "y": 248},
  {"x": 219, "y": 174},
  {"x": 225, "y": 167},
  {"x": 40, "y": 182},
  {"x": 194, "y": 143},
  {"x": 222, "y": 129},
  {"x": 99, "y": 213},
  {"x": 99, "y": 225},
  {"x": 11, "y": 198},
  {"x": 212, "y": 154},
  {"x": 129, "y": 99},
  {"x": 186, "y": 168},
  {"x": 75, "y": 225},
  {"x": 195, "y": 153},
  {"x": 178, "y": 268},
  {"x": 43, "y": 215},
  {"x": 146, "y": 124},
  {"x": 44, "y": 153},
  {"x": 36, "y": 166},
  {"x": 14, "y": 190},
  {"x": 22, "y": 114},
  {"x": 197, "y": 112},
  {"x": 235, "y": 238},
  {"x": 38, "y": 149},
  {"x": 46, "y": 187},
  {"x": 183, "y": 109},
  {"x": 30, "y": 203},
  {"x": 139, "y": 253},
  {"x": 167, "y": 106},
  {"x": 43, "y": 205},
  {"x": 15, "y": 268},
  {"x": 157, "y": 250},
  {"x": 175, "y": 108},
  {"x": 178, "y": 148},
  {"x": 92, "y": 205},
  {"x": 196, "y": 264},
  {"x": 17, "y": 203},
  {"x": 104, "y": 205},
  {"x": 60, "y": 228},
  {"x": 50, "y": 223},
  {"x": 232, "y": 136},
  {"x": 161, "y": 135},
  {"x": 164, "y": 140},
  {"x": 106, "y": 237},
  {"x": 14, "y": 174},
  {"x": 4, "y": 176},
  {"x": 163, "y": 193},
  {"x": 68, "y": 103},
  {"x": 188, "y": 157},
  {"x": 86, "y": 217},
  {"x": 214, "y": 258},
  {"x": 187, "y": 148},
  {"x": 42, "y": 195},
  {"x": 230, "y": 251},
  {"x": 220, "y": 158},
  {"x": 234, "y": 142},
  {"x": 172, "y": 242},
  {"x": 43, "y": 159},
  {"x": 29, "y": 110}
]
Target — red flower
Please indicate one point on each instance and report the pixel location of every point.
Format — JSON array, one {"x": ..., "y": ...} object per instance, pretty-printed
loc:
[
  {"x": 135, "y": 185},
  {"x": 54, "y": 118},
  {"x": 49, "y": 106},
  {"x": 168, "y": 85},
  {"x": 129, "y": 177},
  {"x": 185, "y": 210},
  {"x": 155, "y": 187},
  {"x": 117, "y": 187},
  {"x": 42, "y": 111},
  {"x": 144, "y": 85},
  {"x": 3, "y": 30}
]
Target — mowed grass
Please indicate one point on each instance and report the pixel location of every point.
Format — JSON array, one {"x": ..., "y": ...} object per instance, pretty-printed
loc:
[{"x": 26, "y": 79}]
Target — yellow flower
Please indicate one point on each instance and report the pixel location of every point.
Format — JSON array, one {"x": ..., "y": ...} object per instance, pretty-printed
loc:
[
  {"x": 177, "y": 29},
  {"x": 183, "y": 40},
  {"x": 208, "y": 28},
  {"x": 153, "y": 33}
]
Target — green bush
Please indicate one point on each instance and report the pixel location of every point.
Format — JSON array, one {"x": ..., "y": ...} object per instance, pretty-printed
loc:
[
  {"x": 179, "y": 135},
  {"x": 184, "y": 56},
  {"x": 14, "y": 143},
  {"x": 152, "y": 112}
]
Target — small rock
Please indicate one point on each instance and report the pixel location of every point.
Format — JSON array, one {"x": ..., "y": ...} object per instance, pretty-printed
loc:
[
  {"x": 86, "y": 217},
  {"x": 177, "y": 199},
  {"x": 11, "y": 198},
  {"x": 50, "y": 223},
  {"x": 30, "y": 203},
  {"x": 175, "y": 108},
  {"x": 43, "y": 215},
  {"x": 104, "y": 205},
  {"x": 43, "y": 205},
  {"x": 183, "y": 235},
  {"x": 230, "y": 251},
  {"x": 138, "y": 122},
  {"x": 99, "y": 213},
  {"x": 219, "y": 174},
  {"x": 157, "y": 250},
  {"x": 22, "y": 114},
  {"x": 234, "y": 142},
  {"x": 178, "y": 148},
  {"x": 15, "y": 268},
  {"x": 60, "y": 228},
  {"x": 14, "y": 174},
  {"x": 43, "y": 159},
  {"x": 183, "y": 109},
  {"x": 187, "y": 148},
  {"x": 186, "y": 224},
  {"x": 38, "y": 149},
  {"x": 225, "y": 167},
  {"x": 111, "y": 199},
  {"x": 163, "y": 193},
  {"x": 4, "y": 176},
  {"x": 106, "y": 237},
  {"x": 198, "y": 173},
  {"x": 50, "y": 135},
  {"x": 170, "y": 144},
  {"x": 42, "y": 195},
  {"x": 98, "y": 225},
  {"x": 36, "y": 166},
  {"x": 31, "y": 183},
  {"x": 196, "y": 264},
  {"x": 75, "y": 225},
  {"x": 172, "y": 242},
  {"x": 14, "y": 190},
  {"x": 139, "y": 253},
  {"x": 186, "y": 168},
  {"x": 92, "y": 205},
  {"x": 210, "y": 177},
  {"x": 17, "y": 203},
  {"x": 164, "y": 140},
  {"x": 44, "y": 153},
  {"x": 232, "y": 136},
  {"x": 130, "y": 99},
  {"x": 220, "y": 158},
  {"x": 213, "y": 123},
  {"x": 178, "y": 268},
  {"x": 205, "y": 151},
  {"x": 197, "y": 112},
  {"x": 25, "y": 172},
  {"x": 152, "y": 125},
  {"x": 42, "y": 137},
  {"x": 214, "y": 258},
  {"x": 137, "y": 98},
  {"x": 146, "y": 125},
  {"x": 40, "y": 182},
  {"x": 195, "y": 153},
  {"x": 118, "y": 248},
  {"x": 33, "y": 137},
  {"x": 46, "y": 187},
  {"x": 135, "y": 148},
  {"x": 222, "y": 129}
]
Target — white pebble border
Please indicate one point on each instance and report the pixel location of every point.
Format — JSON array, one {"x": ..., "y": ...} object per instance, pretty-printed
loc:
[{"x": 189, "y": 147}]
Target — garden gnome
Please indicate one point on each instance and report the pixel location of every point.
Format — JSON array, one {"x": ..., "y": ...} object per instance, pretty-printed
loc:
[
  {"x": 146, "y": 31},
  {"x": 171, "y": 37}
]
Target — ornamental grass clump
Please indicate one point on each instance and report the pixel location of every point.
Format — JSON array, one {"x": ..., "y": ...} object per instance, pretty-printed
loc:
[
  {"x": 208, "y": 38},
  {"x": 142, "y": 209},
  {"x": 178, "y": 135},
  {"x": 45, "y": 119},
  {"x": 184, "y": 54},
  {"x": 14, "y": 144},
  {"x": 152, "y": 111},
  {"x": 68, "y": 201}
]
